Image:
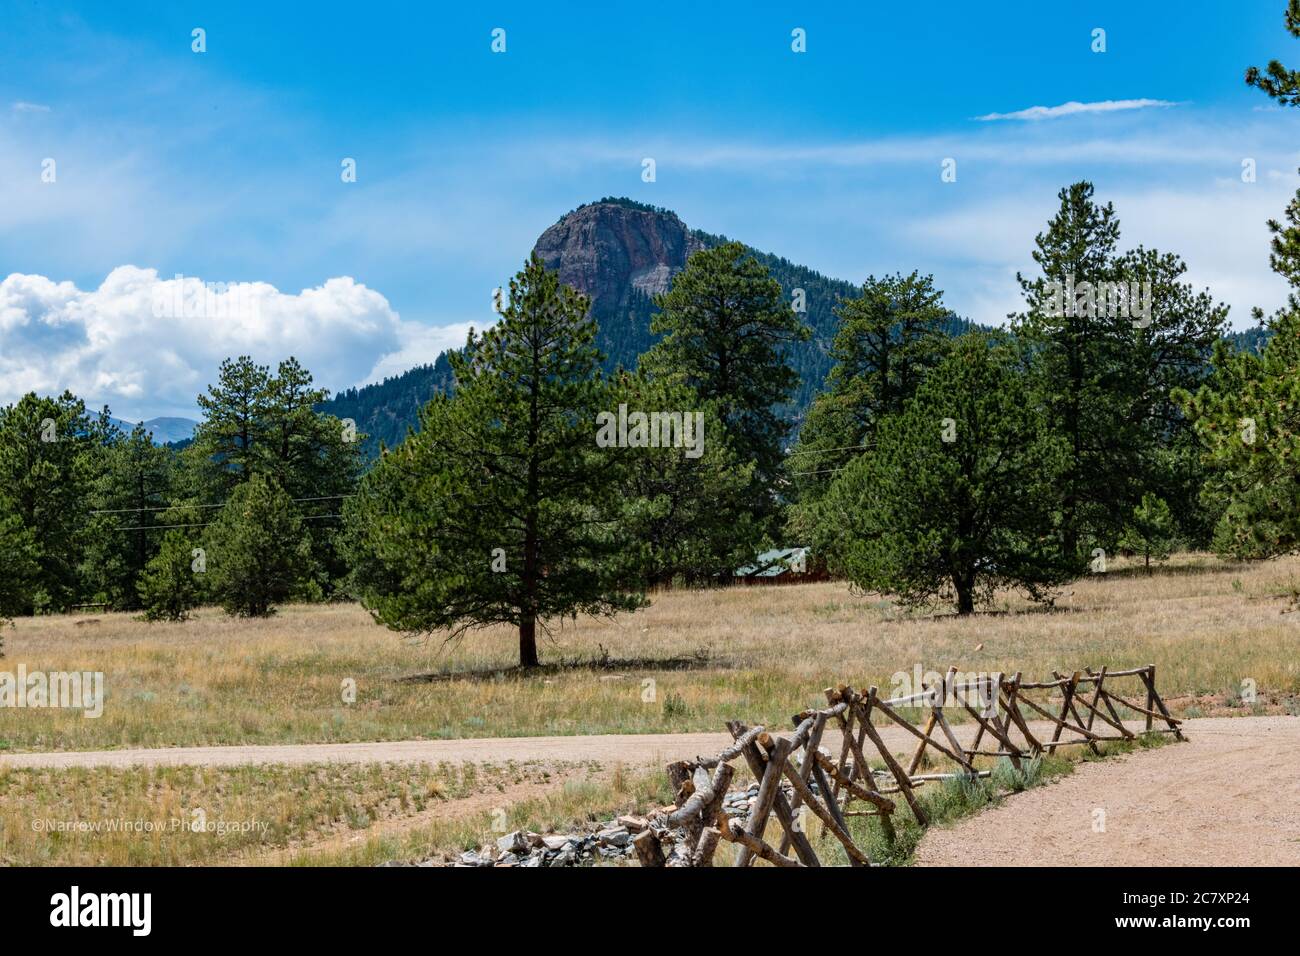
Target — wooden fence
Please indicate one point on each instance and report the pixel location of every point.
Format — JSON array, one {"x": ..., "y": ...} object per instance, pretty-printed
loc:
[{"x": 798, "y": 777}]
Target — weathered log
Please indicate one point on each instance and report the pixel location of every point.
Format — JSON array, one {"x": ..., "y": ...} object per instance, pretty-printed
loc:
[
  {"x": 802, "y": 847},
  {"x": 648, "y": 850},
  {"x": 754, "y": 847},
  {"x": 900, "y": 775},
  {"x": 836, "y": 827},
  {"x": 1149, "y": 678},
  {"x": 704, "y": 850}
]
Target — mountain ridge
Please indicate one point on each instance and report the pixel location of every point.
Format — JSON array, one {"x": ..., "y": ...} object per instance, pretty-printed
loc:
[{"x": 620, "y": 253}]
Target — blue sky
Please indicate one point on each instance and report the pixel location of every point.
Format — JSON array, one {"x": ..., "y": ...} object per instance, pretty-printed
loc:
[{"x": 225, "y": 165}]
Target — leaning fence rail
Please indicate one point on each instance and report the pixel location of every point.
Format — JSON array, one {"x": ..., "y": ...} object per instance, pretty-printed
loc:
[{"x": 797, "y": 776}]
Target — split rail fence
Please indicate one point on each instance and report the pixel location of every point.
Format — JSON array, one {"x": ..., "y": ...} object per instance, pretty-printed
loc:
[{"x": 798, "y": 777}]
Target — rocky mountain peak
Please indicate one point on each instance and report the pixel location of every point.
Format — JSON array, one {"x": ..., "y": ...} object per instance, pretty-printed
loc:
[{"x": 612, "y": 249}]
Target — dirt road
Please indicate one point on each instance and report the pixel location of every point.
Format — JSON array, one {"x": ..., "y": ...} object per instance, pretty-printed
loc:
[
  {"x": 1230, "y": 796},
  {"x": 630, "y": 749}
]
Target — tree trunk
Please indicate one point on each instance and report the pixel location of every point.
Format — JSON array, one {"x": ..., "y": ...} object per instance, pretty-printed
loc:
[
  {"x": 528, "y": 643},
  {"x": 965, "y": 594}
]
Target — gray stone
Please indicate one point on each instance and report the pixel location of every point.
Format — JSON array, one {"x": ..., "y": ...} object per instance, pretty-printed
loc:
[
  {"x": 515, "y": 842},
  {"x": 614, "y": 836}
]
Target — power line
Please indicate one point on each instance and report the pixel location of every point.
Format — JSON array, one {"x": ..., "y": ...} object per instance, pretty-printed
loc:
[
  {"x": 165, "y": 527},
  {"x": 820, "y": 451},
  {"x": 119, "y": 511}
]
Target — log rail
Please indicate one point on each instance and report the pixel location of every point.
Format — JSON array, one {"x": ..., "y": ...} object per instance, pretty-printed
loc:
[{"x": 799, "y": 780}]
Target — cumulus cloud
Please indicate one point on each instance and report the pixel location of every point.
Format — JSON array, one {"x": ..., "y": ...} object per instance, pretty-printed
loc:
[
  {"x": 146, "y": 345},
  {"x": 1074, "y": 107}
]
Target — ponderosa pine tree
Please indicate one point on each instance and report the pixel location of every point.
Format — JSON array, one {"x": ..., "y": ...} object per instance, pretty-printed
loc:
[
  {"x": 171, "y": 586},
  {"x": 1168, "y": 351},
  {"x": 1150, "y": 533},
  {"x": 502, "y": 509},
  {"x": 1247, "y": 417},
  {"x": 1078, "y": 368},
  {"x": 133, "y": 487},
  {"x": 232, "y": 434},
  {"x": 959, "y": 496},
  {"x": 1277, "y": 81},
  {"x": 690, "y": 509},
  {"x": 18, "y": 568},
  {"x": 49, "y": 462},
  {"x": 258, "y": 552},
  {"x": 889, "y": 338},
  {"x": 260, "y": 423},
  {"x": 726, "y": 327},
  {"x": 1112, "y": 336}
]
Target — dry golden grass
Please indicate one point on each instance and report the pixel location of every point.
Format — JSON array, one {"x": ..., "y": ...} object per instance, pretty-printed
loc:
[
  {"x": 174, "y": 816},
  {"x": 766, "y": 652}
]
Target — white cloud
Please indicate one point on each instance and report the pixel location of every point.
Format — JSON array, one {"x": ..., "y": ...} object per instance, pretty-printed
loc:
[
  {"x": 421, "y": 345},
  {"x": 147, "y": 346},
  {"x": 1218, "y": 229},
  {"x": 1075, "y": 107},
  {"x": 24, "y": 107}
]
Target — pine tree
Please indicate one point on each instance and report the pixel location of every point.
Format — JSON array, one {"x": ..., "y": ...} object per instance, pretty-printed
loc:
[
  {"x": 1150, "y": 532},
  {"x": 171, "y": 586},
  {"x": 726, "y": 330},
  {"x": 502, "y": 509},
  {"x": 231, "y": 435},
  {"x": 258, "y": 552},
  {"x": 959, "y": 496},
  {"x": 130, "y": 493},
  {"x": 690, "y": 507},
  {"x": 1277, "y": 81},
  {"x": 889, "y": 338},
  {"x": 1247, "y": 417},
  {"x": 259, "y": 423},
  {"x": 1078, "y": 367},
  {"x": 18, "y": 568},
  {"x": 49, "y": 462}
]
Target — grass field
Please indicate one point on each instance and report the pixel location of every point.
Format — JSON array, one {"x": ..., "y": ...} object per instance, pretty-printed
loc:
[
  {"x": 171, "y": 816},
  {"x": 757, "y": 653}
]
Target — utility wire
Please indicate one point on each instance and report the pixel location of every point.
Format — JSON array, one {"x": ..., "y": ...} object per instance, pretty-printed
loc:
[
  {"x": 821, "y": 451},
  {"x": 119, "y": 511},
  {"x": 164, "y": 527}
]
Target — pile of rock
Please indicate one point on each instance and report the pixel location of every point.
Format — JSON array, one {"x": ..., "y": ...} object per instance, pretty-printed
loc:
[{"x": 610, "y": 841}]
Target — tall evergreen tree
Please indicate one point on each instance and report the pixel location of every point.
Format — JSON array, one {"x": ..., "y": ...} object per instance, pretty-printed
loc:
[
  {"x": 230, "y": 437},
  {"x": 49, "y": 462},
  {"x": 1278, "y": 82},
  {"x": 889, "y": 337},
  {"x": 18, "y": 568},
  {"x": 1168, "y": 351},
  {"x": 131, "y": 492},
  {"x": 726, "y": 330},
  {"x": 1247, "y": 417},
  {"x": 1078, "y": 365},
  {"x": 263, "y": 423},
  {"x": 502, "y": 509},
  {"x": 959, "y": 496},
  {"x": 171, "y": 586}
]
